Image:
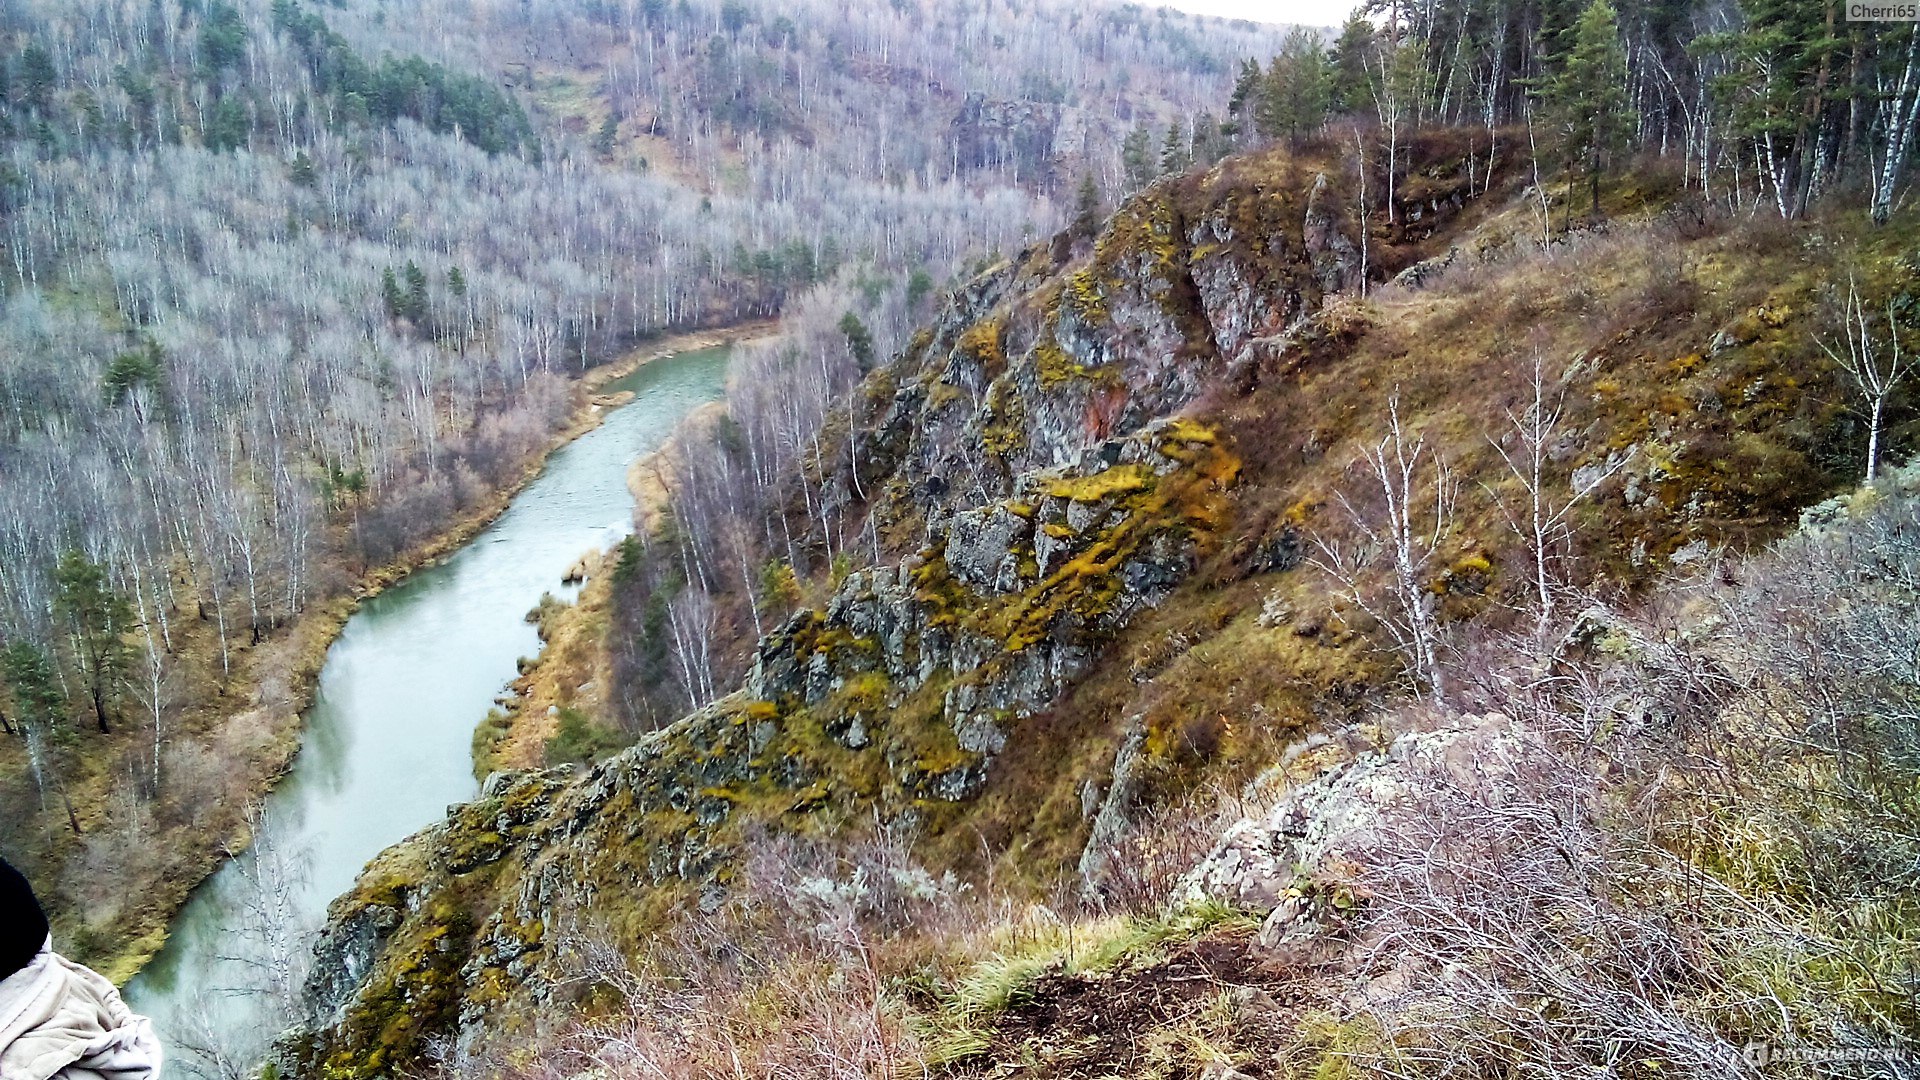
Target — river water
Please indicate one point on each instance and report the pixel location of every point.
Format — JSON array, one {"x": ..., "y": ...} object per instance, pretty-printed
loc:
[{"x": 387, "y": 744}]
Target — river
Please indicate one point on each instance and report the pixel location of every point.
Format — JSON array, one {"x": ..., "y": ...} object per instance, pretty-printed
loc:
[{"x": 387, "y": 743}]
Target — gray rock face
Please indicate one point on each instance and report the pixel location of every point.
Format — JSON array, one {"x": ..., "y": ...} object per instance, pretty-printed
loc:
[
  {"x": 1321, "y": 823},
  {"x": 1423, "y": 273},
  {"x": 980, "y": 547},
  {"x": 1335, "y": 259},
  {"x": 1036, "y": 363},
  {"x": 1007, "y": 604},
  {"x": 986, "y": 131},
  {"x": 1111, "y": 821},
  {"x": 344, "y": 955}
]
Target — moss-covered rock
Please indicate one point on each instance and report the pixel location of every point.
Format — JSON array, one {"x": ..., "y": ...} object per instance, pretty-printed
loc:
[{"x": 1040, "y": 470}]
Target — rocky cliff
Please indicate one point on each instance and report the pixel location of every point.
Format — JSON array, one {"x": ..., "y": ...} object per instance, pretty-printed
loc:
[
  {"x": 1094, "y": 474},
  {"x": 1031, "y": 440}
]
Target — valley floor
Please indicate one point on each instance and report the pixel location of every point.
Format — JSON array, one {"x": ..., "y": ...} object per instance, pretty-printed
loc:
[{"x": 122, "y": 870}]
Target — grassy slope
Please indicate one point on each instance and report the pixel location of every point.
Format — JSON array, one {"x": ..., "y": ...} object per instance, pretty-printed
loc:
[
  {"x": 1730, "y": 443},
  {"x": 1695, "y": 347}
]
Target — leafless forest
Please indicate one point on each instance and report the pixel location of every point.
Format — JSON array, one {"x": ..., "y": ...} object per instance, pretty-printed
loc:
[{"x": 288, "y": 287}]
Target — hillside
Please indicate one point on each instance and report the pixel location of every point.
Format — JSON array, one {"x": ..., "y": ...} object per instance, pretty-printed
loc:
[
  {"x": 296, "y": 293},
  {"x": 1112, "y": 542},
  {"x": 1230, "y": 551}
]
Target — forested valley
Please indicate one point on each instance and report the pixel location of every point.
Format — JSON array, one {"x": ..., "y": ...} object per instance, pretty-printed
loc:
[
  {"x": 1232, "y": 551},
  {"x": 291, "y": 289}
]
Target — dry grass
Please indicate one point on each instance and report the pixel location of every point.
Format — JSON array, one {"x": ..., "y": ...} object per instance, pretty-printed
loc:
[{"x": 1728, "y": 444}]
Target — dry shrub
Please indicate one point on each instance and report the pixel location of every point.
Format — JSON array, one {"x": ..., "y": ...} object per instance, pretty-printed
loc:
[
  {"x": 1706, "y": 835},
  {"x": 1161, "y": 845},
  {"x": 1515, "y": 940},
  {"x": 783, "y": 978},
  {"x": 1662, "y": 287},
  {"x": 1694, "y": 217}
]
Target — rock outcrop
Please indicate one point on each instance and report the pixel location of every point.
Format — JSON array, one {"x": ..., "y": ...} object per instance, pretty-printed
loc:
[
  {"x": 1065, "y": 350},
  {"x": 892, "y": 698},
  {"x": 1319, "y": 813},
  {"x": 1030, "y": 454}
]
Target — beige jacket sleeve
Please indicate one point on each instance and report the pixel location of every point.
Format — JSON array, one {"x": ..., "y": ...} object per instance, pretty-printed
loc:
[{"x": 62, "y": 1021}]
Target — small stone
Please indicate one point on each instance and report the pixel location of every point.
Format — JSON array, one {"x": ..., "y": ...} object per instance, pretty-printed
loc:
[
  {"x": 1089, "y": 800},
  {"x": 1286, "y": 920},
  {"x": 979, "y": 735},
  {"x": 1690, "y": 553},
  {"x": 1274, "y": 610}
]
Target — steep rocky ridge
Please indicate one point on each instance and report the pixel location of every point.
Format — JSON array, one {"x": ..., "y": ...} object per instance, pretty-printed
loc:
[
  {"x": 1189, "y": 284},
  {"x": 887, "y": 701},
  {"x": 1096, "y": 475}
]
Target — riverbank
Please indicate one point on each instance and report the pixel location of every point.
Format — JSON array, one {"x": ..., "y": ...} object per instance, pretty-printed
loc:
[
  {"x": 242, "y": 718},
  {"x": 563, "y": 689}
]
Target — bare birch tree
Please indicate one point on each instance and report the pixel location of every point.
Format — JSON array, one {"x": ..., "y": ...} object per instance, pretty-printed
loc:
[
  {"x": 1542, "y": 519},
  {"x": 265, "y": 960},
  {"x": 1413, "y": 518},
  {"x": 1875, "y": 362}
]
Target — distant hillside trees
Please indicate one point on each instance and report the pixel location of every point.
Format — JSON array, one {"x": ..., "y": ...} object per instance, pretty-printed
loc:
[
  {"x": 443, "y": 101},
  {"x": 1760, "y": 102}
]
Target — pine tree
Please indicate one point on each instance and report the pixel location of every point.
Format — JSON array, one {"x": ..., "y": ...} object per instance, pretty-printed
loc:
[
  {"x": 859, "y": 341},
  {"x": 390, "y": 293},
  {"x": 228, "y": 127},
  {"x": 414, "y": 303},
  {"x": 1136, "y": 158},
  {"x": 130, "y": 371},
  {"x": 223, "y": 37},
  {"x": 33, "y": 684},
  {"x": 1246, "y": 94},
  {"x": 97, "y": 621},
  {"x": 1174, "y": 150},
  {"x": 1293, "y": 95},
  {"x": 1207, "y": 147},
  {"x": 1087, "y": 215},
  {"x": 1347, "y": 64},
  {"x": 37, "y": 76},
  {"x": 1586, "y": 100},
  {"x": 302, "y": 173},
  {"x": 919, "y": 284}
]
